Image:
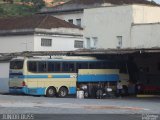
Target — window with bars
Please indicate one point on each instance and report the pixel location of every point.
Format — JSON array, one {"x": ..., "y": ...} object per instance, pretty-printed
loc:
[
  {"x": 119, "y": 38},
  {"x": 46, "y": 42},
  {"x": 70, "y": 21},
  {"x": 95, "y": 41},
  {"x": 78, "y": 44},
  {"x": 88, "y": 43},
  {"x": 78, "y": 22}
]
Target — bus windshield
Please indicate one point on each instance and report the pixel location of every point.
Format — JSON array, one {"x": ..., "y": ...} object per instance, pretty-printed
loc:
[{"x": 17, "y": 64}]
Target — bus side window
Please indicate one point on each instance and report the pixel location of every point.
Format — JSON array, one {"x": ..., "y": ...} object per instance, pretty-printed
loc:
[
  {"x": 32, "y": 66},
  {"x": 57, "y": 67},
  {"x": 92, "y": 65},
  {"x": 105, "y": 65},
  {"x": 51, "y": 67},
  {"x": 68, "y": 67},
  {"x": 82, "y": 65},
  {"x": 42, "y": 67},
  {"x": 95, "y": 65},
  {"x": 109, "y": 65}
]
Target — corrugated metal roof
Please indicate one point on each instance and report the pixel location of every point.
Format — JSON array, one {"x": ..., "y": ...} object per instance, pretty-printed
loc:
[{"x": 84, "y": 52}]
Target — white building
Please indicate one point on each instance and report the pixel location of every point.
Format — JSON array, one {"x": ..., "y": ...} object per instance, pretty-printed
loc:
[
  {"x": 35, "y": 33},
  {"x": 126, "y": 26},
  {"x": 4, "y": 76},
  {"x": 73, "y": 11},
  {"x": 38, "y": 33}
]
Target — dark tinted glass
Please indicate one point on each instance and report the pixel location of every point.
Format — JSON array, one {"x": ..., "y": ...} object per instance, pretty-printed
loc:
[
  {"x": 32, "y": 66},
  {"x": 42, "y": 67},
  {"x": 68, "y": 67},
  {"x": 16, "y": 64}
]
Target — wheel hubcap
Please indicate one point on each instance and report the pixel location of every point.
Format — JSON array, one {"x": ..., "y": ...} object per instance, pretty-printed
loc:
[
  {"x": 51, "y": 91},
  {"x": 63, "y": 93}
]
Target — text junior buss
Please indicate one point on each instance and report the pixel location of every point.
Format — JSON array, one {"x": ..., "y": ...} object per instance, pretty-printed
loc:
[{"x": 17, "y": 117}]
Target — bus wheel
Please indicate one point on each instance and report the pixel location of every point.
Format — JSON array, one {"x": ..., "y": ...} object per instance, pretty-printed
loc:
[
  {"x": 63, "y": 92},
  {"x": 51, "y": 92}
]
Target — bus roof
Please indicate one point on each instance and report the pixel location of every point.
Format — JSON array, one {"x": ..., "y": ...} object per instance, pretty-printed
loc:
[{"x": 57, "y": 58}]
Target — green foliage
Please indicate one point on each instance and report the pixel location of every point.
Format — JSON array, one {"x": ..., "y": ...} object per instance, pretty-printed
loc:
[
  {"x": 1, "y": 11},
  {"x": 15, "y": 10},
  {"x": 37, "y": 4}
]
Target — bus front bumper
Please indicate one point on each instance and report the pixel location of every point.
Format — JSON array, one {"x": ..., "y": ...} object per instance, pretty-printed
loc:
[{"x": 18, "y": 90}]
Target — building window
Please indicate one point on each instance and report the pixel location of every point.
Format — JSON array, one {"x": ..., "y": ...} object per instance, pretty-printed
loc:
[
  {"x": 70, "y": 21},
  {"x": 95, "y": 41},
  {"x": 88, "y": 43},
  {"x": 78, "y": 44},
  {"x": 119, "y": 39},
  {"x": 46, "y": 42},
  {"x": 78, "y": 22}
]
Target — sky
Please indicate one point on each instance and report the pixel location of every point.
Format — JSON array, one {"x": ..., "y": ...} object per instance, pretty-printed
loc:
[{"x": 157, "y": 1}]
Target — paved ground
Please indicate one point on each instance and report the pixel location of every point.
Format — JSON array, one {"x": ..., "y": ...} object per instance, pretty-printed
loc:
[
  {"x": 43, "y": 105},
  {"x": 32, "y": 104}
]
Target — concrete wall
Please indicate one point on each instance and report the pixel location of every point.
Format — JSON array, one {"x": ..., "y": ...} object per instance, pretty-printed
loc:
[
  {"x": 62, "y": 40},
  {"x": 16, "y": 43},
  {"x": 4, "y": 77},
  {"x": 59, "y": 43},
  {"x": 145, "y": 36},
  {"x": 146, "y": 14},
  {"x": 73, "y": 16},
  {"x": 106, "y": 23}
]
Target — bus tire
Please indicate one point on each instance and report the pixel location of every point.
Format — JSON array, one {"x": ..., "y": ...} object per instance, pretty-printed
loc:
[
  {"x": 51, "y": 92},
  {"x": 63, "y": 92}
]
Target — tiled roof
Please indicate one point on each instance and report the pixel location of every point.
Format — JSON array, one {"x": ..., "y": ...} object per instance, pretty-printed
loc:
[
  {"x": 34, "y": 21},
  {"x": 74, "y": 5}
]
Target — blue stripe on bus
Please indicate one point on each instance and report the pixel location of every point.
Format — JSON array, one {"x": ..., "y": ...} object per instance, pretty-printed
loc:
[
  {"x": 81, "y": 78},
  {"x": 98, "y": 78},
  {"x": 36, "y": 91},
  {"x": 40, "y": 76},
  {"x": 22, "y": 90}
]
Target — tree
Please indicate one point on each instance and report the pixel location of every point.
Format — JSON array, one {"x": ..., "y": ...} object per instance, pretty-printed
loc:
[
  {"x": 1, "y": 11},
  {"x": 9, "y": 1},
  {"x": 37, "y": 4}
]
